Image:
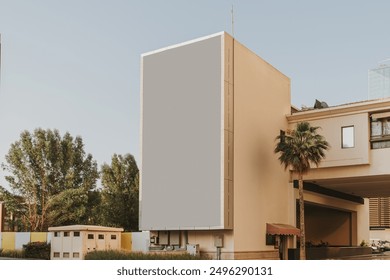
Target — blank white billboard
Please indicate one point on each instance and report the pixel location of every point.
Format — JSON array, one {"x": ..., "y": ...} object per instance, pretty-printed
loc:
[{"x": 182, "y": 137}]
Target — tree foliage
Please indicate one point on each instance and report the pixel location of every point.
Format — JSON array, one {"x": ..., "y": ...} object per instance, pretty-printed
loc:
[
  {"x": 299, "y": 149},
  {"x": 120, "y": 192},
  {"x": 44, "y": 169}
]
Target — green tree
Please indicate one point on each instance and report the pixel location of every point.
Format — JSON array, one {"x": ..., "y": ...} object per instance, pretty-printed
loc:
[
  {"x": 299, "y": 149},
  {"x": 44, "y": 169},
  {"x": 120, "y": 192}
]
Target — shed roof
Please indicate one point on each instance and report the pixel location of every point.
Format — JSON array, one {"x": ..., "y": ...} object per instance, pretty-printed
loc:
[{"x": 84, "y": 228}]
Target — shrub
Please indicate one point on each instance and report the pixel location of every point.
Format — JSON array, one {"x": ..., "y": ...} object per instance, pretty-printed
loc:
[
  {"x": 120, "y": 255},
  {"x": 37, "y": 250},
  {"x": 17, "y": 254}
]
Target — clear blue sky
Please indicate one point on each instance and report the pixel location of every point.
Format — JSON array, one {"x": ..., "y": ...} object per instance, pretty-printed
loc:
[{"x": 75, "y": 65}]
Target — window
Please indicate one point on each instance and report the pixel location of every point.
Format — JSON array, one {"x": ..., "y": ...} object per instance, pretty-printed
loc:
[
  {"x": 56, "y": 254},
  {"x": 347, "y": 137},
  {"x": 76, "y": 234},
  {"x": 90, "y": 236},
  {"x": 66, "y": 233},
  {"x": 56, "y": 234},
  {"x": 76, "y": 255},
  {"x": 113, "y": 236},
  {"x": 65, "y": 254},
  {"x": 380, "y": 130},
  {"x": 101, "y": 236}
]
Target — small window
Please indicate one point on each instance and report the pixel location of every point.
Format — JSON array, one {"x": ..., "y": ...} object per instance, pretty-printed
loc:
[
  {"x": 90, "y": 236},
  {"x": 76, "y": 255},
  {"x": 113, "y": 236},
  {"x": 76, "y": 234},
  {"x": 66, "y": 233},
  {"x": 56, "y": 254},
  {"x": 348, "y": 137},
  {"x": 101, "y": 236},
  {"x": 65, "y": 255},
  {"x": 56, "y": 234}
]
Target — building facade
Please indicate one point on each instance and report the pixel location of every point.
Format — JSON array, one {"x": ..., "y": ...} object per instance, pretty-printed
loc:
[
  {"x": 379, "y": 82},
  {"x": 211, "y": 110}
]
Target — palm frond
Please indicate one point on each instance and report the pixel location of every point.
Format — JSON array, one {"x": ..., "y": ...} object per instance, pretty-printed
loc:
[{"x": 302, "y": 147}]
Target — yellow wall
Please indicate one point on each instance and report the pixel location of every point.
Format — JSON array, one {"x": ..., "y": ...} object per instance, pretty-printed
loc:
[
  {"x": 126, "y": 241},
  {"x": 38, "y": 237},
  {"x": 8, "y": 242},
  {"x": 261, "y": 190}
]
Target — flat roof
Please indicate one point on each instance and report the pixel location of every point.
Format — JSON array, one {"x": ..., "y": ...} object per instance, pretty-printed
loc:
[
  {"x": 374, "y": 105},
  {"x": 84, "y": 228}
]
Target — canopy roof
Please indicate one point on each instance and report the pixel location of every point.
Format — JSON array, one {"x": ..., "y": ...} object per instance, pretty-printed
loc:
[{"x": 282, "y": 229}]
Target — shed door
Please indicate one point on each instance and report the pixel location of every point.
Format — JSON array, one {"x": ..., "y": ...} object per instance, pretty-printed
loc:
[
  {"x": 101, "y": 241},
  {"x": 91, "y": 241}
]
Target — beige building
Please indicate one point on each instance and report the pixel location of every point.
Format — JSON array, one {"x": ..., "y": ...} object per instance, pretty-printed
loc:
[{"x": 211, "y": 110}]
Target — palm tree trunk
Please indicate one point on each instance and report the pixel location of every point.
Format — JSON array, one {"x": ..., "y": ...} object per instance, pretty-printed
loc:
[{"x": 302, "y": 250}]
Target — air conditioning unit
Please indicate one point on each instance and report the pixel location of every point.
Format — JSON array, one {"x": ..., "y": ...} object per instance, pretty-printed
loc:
[{"x": 193, "y": 249}]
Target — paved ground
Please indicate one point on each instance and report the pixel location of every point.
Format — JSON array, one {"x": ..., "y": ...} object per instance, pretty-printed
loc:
[{"x": 381, "y": 256}]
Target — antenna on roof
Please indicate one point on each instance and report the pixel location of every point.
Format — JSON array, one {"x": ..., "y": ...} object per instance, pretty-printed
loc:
[{"x": 232, "y": 20}]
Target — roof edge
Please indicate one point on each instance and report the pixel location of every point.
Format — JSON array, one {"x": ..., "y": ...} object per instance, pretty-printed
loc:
[{"x": 221, "y": 33}]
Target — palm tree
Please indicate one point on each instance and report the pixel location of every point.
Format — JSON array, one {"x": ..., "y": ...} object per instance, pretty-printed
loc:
[{"x": 299, "y": 149}]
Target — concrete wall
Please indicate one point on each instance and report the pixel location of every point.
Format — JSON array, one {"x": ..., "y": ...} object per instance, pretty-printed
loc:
[
  {"x": 206, "y": 241},
  {"x": 261, "y": 192},
  {"x": 140, "y": 241}
]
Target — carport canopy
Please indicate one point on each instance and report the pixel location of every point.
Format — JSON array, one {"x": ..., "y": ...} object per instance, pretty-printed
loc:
[{"x": 282, "y": 229}]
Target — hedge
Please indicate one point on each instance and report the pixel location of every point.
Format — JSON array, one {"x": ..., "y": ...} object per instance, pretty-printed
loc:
[{"x": 121, "y": 255}]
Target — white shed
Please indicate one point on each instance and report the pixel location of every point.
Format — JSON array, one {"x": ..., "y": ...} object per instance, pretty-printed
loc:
[{"x": 75, "y": 241}]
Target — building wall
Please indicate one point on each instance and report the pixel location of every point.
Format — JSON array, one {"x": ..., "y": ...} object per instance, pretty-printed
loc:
[
  {"x": 351, "y": 162},
  {"x": 328, "y": 225},
  {"x": 205, "y": 239},
  {"x": 261, "y": 192},
  {"x": 360, "y": 213},
  {"x": 331, "y": 129}
]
